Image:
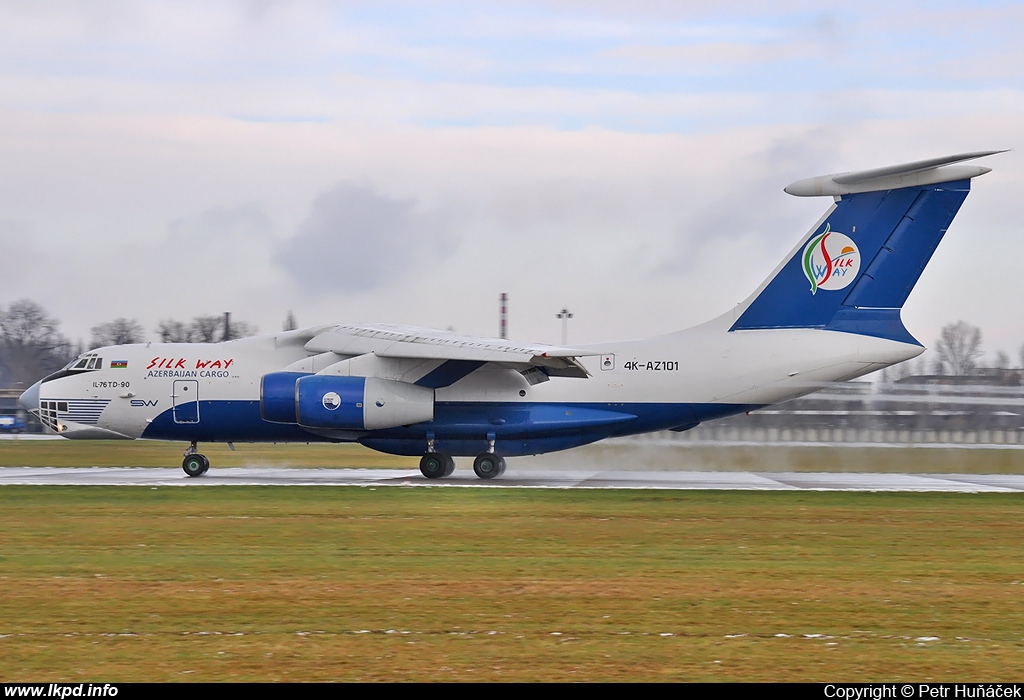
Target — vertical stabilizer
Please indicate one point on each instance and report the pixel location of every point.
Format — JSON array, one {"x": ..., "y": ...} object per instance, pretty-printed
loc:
[{"x": 855, "y": 269}]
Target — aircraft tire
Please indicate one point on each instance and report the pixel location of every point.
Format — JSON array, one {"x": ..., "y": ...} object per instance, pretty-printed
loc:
[
  {"x": 206, "y": 463},
  {"x": 194, "y": 465},
  {"x": 449, "y": 468},
  {"x": 488, "y": 465},
  {"x": 434, "y": 465}
]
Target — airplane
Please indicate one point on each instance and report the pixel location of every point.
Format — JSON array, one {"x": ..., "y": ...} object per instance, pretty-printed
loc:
[{"x": 829, "y": 312}]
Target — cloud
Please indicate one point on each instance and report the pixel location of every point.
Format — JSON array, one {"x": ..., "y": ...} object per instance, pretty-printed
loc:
[
  {"x": 626, "y": 160},
  {"x": 18, "y": 255},
  {"x": 744, "y": 215},
  {"x": 720, "y": 57},
  {"x": 356, "y": 239},
  {"x": 220, "y": 226}
]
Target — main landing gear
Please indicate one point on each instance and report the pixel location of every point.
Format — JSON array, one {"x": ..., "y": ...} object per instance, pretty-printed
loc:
[
  {"x": 194, "y": 463},
  {"x": 489, "y": 465},
  {"x": 435, "y": 465}
]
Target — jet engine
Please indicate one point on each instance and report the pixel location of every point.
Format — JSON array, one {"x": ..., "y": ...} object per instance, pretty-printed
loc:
[{"x": 343, "y": 403}]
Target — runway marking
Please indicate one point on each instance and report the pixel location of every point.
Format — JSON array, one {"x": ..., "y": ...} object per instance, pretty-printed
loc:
[{"x": 532, "y": 478}]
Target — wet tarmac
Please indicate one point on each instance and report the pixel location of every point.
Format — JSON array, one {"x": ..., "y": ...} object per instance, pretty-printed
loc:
[{"x": 531, "y": 478}]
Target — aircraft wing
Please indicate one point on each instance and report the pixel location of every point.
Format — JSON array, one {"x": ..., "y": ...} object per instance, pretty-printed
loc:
[{"x": 411, "y": 342}]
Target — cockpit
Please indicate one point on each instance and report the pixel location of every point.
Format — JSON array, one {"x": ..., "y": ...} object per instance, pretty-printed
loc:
[
  {"x": 89, "y": 362},
  {"x": 54, "y": 413},
  {"x": 85, "y": 363}
]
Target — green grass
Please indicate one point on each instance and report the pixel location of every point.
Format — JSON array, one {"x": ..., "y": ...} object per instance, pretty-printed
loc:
[
  {"x": 265, "y": 583},
  {"x": 150, "y": 453}
]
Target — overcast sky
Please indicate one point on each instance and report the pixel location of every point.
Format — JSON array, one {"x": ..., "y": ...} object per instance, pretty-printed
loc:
[{"x": 407, "y": 162}]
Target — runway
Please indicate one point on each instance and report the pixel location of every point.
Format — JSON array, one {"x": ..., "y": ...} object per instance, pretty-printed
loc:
[{"x": 532, "y": 478}]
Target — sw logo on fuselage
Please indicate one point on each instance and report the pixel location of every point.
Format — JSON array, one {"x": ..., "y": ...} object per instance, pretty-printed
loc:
[{"x": 831, "y": 261}]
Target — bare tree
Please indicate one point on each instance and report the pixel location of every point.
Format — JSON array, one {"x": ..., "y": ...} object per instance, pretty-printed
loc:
[
  {"x": 1002, "y": 360},
  {"x": 240, "y": 329},
  {"x": 203, "y": 329},
  {"x": 171, "y": 331},
  {"x": 290, "y": 323},
  {"x": 959, "y": 347},
  {"x": 30, "y": 344},
  {"x": 207, "y": 329},
  {"x": 120, "y": 331}
]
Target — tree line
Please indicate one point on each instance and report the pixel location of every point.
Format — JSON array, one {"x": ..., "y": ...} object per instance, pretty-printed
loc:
[
  {"x": 957, "y": 352},
  {"x": 32, "y": 346}
]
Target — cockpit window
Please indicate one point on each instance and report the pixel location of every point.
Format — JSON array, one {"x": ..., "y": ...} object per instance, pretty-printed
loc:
[{"x": 86, "y": 363}]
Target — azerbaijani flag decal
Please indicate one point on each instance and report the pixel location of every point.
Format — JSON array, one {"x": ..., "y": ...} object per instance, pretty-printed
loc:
[{"x": 119, "y": 364}]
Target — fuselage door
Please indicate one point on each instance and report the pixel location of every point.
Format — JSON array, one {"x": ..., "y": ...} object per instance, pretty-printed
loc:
[{"x": 185, "y": 398}]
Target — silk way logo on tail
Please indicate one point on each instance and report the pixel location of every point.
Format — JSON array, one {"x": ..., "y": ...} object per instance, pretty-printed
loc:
[{"x": 831, "y": 261}]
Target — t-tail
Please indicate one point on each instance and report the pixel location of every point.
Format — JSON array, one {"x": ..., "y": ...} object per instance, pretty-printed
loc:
[{"x": 855, "y": 269}]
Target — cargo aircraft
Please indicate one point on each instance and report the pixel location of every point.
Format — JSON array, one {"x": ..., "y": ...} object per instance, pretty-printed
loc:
[{"x": 829, "y": 312}]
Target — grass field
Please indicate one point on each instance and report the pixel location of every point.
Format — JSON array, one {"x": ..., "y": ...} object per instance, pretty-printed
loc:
[
  {"x": 264, "y": 583},
  {"x": 150, "y": 453}
]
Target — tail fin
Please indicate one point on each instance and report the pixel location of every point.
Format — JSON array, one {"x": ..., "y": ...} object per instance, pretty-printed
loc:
[{"x": 855, "y": 269}]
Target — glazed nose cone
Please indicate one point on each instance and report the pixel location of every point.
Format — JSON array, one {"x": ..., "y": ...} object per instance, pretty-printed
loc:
[{"x": 30, "y": 398}]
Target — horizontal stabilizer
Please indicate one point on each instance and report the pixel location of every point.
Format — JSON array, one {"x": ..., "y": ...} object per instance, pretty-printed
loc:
[{"x": 922, "y": 172}]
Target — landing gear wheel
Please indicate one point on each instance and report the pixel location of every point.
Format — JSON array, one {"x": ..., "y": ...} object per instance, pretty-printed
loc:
[
  {"x": 449, "y": 465},
  {"x": 488, "y": 465},
  {"x": 195, "y": 465},
  {"x": 434, "y": 465}
]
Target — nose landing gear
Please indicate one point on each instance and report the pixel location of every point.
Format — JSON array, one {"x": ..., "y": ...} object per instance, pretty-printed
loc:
[{"x": 194, "y": 463}]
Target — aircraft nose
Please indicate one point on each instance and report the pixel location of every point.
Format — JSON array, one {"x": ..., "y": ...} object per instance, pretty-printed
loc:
[{"x": 30, "y": 398}]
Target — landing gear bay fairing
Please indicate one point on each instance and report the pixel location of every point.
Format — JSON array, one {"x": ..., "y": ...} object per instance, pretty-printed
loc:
[{"x": 829, "y": 312}]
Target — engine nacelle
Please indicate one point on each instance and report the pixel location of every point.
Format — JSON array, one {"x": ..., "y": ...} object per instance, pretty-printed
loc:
[
  {"x": 277, "y": 396},
  {"x": 343, "y": 403}
]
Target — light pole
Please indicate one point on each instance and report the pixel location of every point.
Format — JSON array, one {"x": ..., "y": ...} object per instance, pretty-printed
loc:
[
  {"x": 503, "y": 316},
  {"x": 565, "y": 316}
]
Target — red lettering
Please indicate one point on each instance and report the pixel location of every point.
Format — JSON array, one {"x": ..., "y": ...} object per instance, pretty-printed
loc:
[
  {"x": 215, "y": 364},
  {"x": 152, "y": 363},
  {"x": 181, "y": 364},
  {"x": 200, "y": 364},
  {"x": 227, "y": 363}
]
